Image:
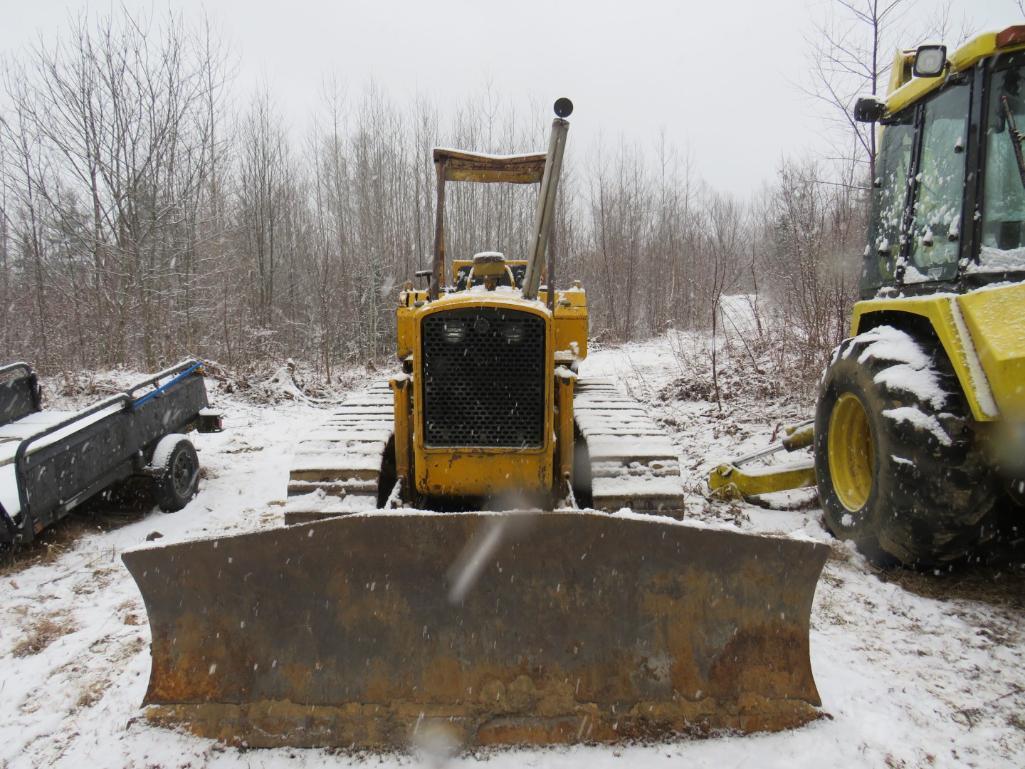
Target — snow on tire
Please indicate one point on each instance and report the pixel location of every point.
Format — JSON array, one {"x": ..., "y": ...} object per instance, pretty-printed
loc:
[
  {"x": 177, "y": 466},
  {"x": 902, "y": 476}
]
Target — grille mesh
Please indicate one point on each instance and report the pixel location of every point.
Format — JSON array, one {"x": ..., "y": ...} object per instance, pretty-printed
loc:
[{"x": 484, "y": 378}]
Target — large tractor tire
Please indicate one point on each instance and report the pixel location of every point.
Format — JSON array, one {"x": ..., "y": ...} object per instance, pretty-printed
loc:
[{"x": 899, "y": 468}]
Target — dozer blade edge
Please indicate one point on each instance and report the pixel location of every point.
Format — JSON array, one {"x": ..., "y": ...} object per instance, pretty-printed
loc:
[{"x": 566, "y": 627}]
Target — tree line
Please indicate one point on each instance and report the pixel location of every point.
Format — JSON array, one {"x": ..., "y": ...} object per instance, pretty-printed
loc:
[{"x": 144, "y": 216}]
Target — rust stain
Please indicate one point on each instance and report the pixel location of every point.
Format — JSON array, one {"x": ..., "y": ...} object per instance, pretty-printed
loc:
[{"x": 589, "y": 628}]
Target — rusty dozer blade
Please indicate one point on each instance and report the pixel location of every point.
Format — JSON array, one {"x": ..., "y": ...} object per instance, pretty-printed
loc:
[{"x": 496, "y": 628}]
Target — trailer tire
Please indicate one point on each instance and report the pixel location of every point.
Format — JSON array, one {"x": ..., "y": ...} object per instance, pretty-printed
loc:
[
  {"x": 177, "y": 466},
  {"x": 899, "y": 469}
]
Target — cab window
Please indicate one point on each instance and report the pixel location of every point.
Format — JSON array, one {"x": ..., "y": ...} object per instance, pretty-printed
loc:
[
  {"x": 889, "y": 197},
  {"x": 939, "y": 188},
  {"x": 1003, "y": 207}
]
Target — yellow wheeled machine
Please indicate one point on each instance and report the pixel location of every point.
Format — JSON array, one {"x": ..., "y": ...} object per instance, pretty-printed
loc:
[
  {"x": 919, "y": 432},
  {"x": 487, "y": 544}
]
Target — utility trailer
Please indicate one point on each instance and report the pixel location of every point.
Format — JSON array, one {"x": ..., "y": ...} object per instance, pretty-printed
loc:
[{"x": 52, "y": 461}]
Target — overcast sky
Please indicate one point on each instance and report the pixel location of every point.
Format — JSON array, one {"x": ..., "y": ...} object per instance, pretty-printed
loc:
[{"x": 718, "y": 76}]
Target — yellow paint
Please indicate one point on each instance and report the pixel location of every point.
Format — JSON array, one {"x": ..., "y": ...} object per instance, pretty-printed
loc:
[
  {"x": 476, "y": 471},
  {"x": 403, "y": 429},
  {"x": 564, "y": 438},
  {"x": 850, "y": 452},
  {"x": 995, "y": 318},
  {"x": 571, "y": 322},
  {"x": 903, "y": 94},
  {"x": 459, "y": 264},
  {"x": 900, "y": 71},
  {"x": 571, "y": 316},
  {"x": 473, "y": 471},
  {"x": 939, "y": 310},
  {"x": 728, "y": 481},
  {"x": 405, "y": 321}
]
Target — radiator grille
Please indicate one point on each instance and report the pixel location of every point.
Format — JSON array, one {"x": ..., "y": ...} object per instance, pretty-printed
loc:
[{"x": 484, "y": 378}]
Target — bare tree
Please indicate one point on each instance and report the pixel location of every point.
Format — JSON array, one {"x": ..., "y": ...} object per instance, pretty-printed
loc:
[
  {"x": 848, "y": 56},
  {"x": 144, "y": 216}
]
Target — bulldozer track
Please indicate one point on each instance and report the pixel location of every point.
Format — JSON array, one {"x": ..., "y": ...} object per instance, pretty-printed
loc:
[
  {"x": 342, "y": 459},
  {"x": 632, "y": 460},
  {"x": 633, "y": 464}
]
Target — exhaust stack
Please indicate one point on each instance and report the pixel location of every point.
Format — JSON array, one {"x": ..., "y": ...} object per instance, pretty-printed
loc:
[{"x": 546, "y": 197}]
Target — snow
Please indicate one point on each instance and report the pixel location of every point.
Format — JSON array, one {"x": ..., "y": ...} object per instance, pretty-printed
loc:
[
  {"x": 912, "y": 372},
  {"x": 983, "y": 393},
  {"x": 164, "y": 449},
  {"x": 997, "y": 260},
  {"x": 13, "y": 433},
  {"x": 981, "y": 384},
  {"x": 740, "y": 312},
  {"x": 888, "y": 343},
  {"x": 913, "y": 670},
  {"x": 493, "y": 156},
  {"x": 923, "y": 384},
  {"x": 9, "y": 497},
  {"x": 913, "y": 275},
  {"x": 917, "y": 418}
]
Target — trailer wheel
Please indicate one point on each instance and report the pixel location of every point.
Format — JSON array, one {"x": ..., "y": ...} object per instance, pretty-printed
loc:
[
  {"x": 178, "y": 472},
  {"x": 899, "y": 469}
]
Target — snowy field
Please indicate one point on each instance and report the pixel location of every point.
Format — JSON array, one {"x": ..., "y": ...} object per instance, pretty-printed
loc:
[{"x": 914, "y": 670}]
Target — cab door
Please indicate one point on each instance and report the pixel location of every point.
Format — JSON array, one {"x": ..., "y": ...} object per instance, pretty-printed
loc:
[{"x": 938, "y": 186}]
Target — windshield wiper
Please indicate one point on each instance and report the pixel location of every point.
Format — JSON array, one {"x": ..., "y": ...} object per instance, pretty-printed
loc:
[{"x": 1015, "y": 136}]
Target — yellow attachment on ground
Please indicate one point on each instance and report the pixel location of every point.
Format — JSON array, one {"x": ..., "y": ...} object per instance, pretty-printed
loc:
[
  {"x": 850, "y": 450},
  {"x": 799, "y": 436},
  {"x": 729, "y": 481}
]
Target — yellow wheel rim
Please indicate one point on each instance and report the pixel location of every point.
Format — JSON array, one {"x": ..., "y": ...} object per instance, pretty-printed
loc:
[{"x": 851, "y": 454}]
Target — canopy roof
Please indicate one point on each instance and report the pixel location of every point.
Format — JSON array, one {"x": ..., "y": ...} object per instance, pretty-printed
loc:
[{"x": 463, "y": 166}]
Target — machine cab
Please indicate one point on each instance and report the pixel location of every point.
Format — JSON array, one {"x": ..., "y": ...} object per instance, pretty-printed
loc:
[{"x": 948, "y": 208}]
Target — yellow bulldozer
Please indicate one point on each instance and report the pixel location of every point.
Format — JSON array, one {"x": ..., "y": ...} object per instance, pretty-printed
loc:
[
  {"x": 488, "y": 544},
  {"x": 919, "y": 432}
]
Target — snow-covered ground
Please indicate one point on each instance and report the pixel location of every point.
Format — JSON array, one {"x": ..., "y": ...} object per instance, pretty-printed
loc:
[{"x": 914, "y": 670}]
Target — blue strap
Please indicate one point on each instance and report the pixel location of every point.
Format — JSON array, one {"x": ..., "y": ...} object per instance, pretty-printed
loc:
[{"x": 153, "y": 394}]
